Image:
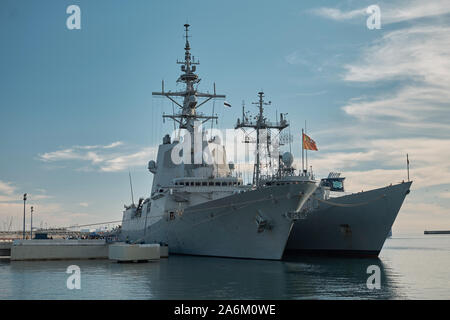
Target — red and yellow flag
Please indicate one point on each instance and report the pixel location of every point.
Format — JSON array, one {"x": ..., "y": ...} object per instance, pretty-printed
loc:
[{"x": 308, "y": 143}]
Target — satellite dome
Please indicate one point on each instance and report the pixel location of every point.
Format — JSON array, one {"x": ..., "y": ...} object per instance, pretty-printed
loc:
[
  {"x": 152, "y": 166},
  {"x": 287, "y": 159}
]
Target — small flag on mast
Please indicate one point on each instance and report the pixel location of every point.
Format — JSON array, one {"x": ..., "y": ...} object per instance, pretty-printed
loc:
[
  {"x": 226, "y": 104},
  {"x": 308, "y": 143}
]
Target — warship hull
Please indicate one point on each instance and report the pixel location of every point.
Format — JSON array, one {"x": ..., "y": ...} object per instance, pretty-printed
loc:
[
  {"x": 355, "y": 225},
  {"x": 254, "y": 224}
]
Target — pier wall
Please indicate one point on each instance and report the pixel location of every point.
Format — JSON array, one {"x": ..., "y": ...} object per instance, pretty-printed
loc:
[
  {"x": 134, "y": 252},
  {"x": 164, "y": 251},
  {"x": 58, "y": 249},
  {"x": 5, "y": 248}
]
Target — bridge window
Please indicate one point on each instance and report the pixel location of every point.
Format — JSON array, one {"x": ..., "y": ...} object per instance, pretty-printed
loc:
[{"x": 337, "y": 185}]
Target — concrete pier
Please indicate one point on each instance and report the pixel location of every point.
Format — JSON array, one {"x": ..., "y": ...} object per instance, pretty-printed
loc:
[
  {"x": 62, "y": 249},
  {"x": 5, "y": 248},
  {"x": 164, "y": 251},
  {"x": 123, "y": 252},
  {"x": 58, "y": 249}
]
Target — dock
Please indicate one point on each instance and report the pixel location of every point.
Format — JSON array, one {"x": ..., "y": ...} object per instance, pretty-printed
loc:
[
  {"x": 68, "y": 249},
  {"x": 58, "y": 249},
  {"x": 437, "y": 232},
  {"x": 123, "y": 252},
  {"x": 5, "y": 248}
]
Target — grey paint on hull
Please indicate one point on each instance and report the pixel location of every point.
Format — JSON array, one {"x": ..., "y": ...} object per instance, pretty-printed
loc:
[
  {"x": 231, "y": 229},
  {"x": 358, "y": 230}
]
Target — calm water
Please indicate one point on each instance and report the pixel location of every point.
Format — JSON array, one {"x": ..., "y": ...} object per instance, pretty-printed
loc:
[{"x": 415, "y": 267}]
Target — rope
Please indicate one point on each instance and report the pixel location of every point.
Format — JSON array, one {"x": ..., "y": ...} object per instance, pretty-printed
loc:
[{"x": 91, "y": 224}]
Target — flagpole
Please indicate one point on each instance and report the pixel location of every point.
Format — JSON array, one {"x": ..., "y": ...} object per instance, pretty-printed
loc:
[
  {"x": 306, "y": 152},
  {"x": 407, "y": 165},
  {"x": 303, "y": 152}
]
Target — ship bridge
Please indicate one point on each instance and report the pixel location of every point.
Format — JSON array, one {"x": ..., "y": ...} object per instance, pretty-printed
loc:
[{"x": 334, "y": 181}]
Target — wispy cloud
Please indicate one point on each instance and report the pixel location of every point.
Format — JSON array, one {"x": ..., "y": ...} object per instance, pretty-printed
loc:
[
  {"x": 7, "y": 188},
  {"x": 337, "y": 14},
  {"x": 429, "y": 166},
  {"x": 11, "y": 207},
  {"x": 418, "y": 216},
  {"x": 401, "y": 54},
  {"x": 445, "y": 194},
  {"x": 108, "y": 146},
  {"x": 418, "y": 58},
  {"x": 410, "y": 10},
  {"x": 107, "y": 158},
  {"x": 390, "y": 12},
  {"x": 295, "y": 58},
  {"x": 9, "y": 192},
  {"x": 120, "y": 162},
  {"x": 53, "y": 213}
]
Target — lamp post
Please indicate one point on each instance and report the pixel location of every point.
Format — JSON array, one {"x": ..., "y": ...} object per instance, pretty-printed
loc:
[
  {"x": 31, "y": 233},
  {"x": 24, "y": 200}
]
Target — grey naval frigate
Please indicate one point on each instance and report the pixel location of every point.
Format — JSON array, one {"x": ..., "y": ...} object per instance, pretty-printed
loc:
[
  {"x": 203, "y": 208},
  {"x": 354, "y": 224},
  {"x": 339, "y": 223}
]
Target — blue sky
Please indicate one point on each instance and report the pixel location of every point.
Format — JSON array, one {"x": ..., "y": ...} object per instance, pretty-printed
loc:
[{"x": 76, "y": 110}]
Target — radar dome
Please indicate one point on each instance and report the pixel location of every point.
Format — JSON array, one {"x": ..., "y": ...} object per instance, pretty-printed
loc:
[
  {"x": 216, "y": 139},
  {"x": 152, "y": 166},
  {"x": 287, "y": 159}
]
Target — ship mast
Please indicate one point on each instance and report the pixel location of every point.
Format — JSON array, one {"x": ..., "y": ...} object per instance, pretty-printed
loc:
[
  {"x": 261, "y": 123},
  {"x": 188, "y": 114}
]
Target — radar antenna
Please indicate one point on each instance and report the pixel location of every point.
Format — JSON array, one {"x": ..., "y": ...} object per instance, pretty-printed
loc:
[
  {"x": 188, "y": 114},
  {"x": 260, "y": 124}
]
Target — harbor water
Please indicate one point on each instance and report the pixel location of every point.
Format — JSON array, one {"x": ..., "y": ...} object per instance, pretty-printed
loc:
[{"x": 412, "y": 267}]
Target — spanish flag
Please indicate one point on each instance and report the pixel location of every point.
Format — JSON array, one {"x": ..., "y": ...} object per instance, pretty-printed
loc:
[{"x": 308, "y": 143}]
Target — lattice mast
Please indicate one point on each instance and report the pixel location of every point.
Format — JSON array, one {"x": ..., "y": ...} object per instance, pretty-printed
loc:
[
  {"x": 260, "y": 124},
  {"x": 188, "y": 114}
]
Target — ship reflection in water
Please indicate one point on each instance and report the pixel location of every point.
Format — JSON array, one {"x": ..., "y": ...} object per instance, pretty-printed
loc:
[
  {"x": 403, "y": 276},
  {"x": 187, "y": 277}
]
